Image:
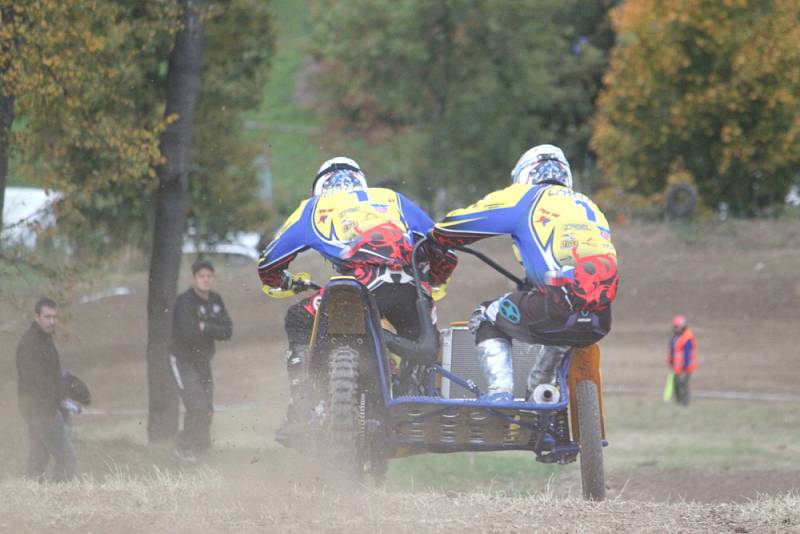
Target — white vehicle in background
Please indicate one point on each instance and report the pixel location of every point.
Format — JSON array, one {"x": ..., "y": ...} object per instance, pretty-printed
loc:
[
  {"x": 243, "y": 244},
  {"x": 27, "y": 211},
  {"x": 793, "y": 197}
]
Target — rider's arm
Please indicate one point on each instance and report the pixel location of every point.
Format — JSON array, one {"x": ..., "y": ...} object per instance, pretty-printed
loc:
[
  {"x": 288, "y": 243},
  {"x": 219, "y": 325},
  {"x": 415, "y": 218},
  {"x": 496, "y": 213},
  {"x": 442, "y": 261}
]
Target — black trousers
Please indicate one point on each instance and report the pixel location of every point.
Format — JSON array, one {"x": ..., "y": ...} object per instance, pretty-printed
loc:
[
  {"x": 196, "y": 389},
  {"x": 532, "y": 317},
  {"x": 396, "y": 303},
  {"x": 681, "y": 387},
  {"x": 50, "y": 437}
]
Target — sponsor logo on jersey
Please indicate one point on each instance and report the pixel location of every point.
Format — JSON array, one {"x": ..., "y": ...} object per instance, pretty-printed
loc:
[
  {"x": 348, "y": 226},
  {"x": 569, "y": 242},
  {"x": 576, "y": 227},
  {"x": 562, "y": 192}
]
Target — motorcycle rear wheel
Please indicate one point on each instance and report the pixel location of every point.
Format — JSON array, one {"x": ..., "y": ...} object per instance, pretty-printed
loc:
[
  {"x": 343, "y": 405},
  {"x": 591, "y": 441}
]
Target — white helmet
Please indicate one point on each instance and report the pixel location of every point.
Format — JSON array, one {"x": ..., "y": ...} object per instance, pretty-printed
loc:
[
  {"x": 543, "y": 164},
  {"x": 339, "y": 174}
]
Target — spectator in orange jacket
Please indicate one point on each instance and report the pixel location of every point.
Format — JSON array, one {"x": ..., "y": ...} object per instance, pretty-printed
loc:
[{"x": 682, "y": 358}]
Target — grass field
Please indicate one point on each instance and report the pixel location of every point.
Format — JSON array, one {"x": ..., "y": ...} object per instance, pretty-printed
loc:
[
  {"x": 647, "y": 437},
  {"x": 250, "y": 484},
  {"x": 644, "y": 435},
  {"x": 207, "y": 503}
]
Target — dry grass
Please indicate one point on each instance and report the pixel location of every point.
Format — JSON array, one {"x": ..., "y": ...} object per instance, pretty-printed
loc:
[{"x": 207, "y": 502}]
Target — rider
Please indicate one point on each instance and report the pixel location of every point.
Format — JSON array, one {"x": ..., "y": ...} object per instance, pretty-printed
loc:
[
  {"x": 364, "y": 232},
  {"x": 564, "y": 244}
]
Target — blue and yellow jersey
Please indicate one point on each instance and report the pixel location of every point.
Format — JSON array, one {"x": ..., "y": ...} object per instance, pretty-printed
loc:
[
  {"x": 561, "y": 237},
  {"x": 353, "y": 230}
]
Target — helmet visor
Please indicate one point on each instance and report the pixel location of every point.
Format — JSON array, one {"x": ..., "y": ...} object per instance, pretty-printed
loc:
[
  {"x": 546, "y": 171},
  {"x": 338, "y": 181}
]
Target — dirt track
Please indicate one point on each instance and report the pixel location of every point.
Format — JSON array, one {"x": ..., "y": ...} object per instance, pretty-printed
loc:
[
  {"x": 736, "y": 285},
  {"x": 183, "y": 506}
]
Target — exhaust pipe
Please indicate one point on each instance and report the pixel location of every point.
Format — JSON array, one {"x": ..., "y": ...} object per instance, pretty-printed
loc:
[{"x": 546, "y": 394}]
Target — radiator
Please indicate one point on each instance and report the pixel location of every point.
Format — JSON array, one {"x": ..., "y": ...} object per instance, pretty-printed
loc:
[{"x": 460, "y": 357}]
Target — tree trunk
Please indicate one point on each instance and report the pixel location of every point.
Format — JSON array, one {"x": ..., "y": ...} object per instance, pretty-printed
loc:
[
  {"x": 6, "y": 119},
  {"x": 6, "y": 111},
  {"x": 183, "y": 86}
]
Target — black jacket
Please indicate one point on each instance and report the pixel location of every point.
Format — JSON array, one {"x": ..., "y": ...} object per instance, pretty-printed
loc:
[
  {"x": 188, "y": 341},
  {"x": 39, "y": 375}
]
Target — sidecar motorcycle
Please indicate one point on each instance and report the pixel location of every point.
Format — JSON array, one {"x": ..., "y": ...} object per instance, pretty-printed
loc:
[{"x": 375, "y": 396}]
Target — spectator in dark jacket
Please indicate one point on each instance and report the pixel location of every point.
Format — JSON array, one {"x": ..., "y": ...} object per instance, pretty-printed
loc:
[
  {"x": 42, "y": 397},
  {"x": 199, "y": 319}
]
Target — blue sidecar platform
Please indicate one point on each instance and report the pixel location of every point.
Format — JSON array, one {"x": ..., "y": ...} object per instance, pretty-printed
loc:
[{"x": 418, "y": 423}]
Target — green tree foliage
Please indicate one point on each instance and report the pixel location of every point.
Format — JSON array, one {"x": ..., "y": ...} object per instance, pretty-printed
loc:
[
  {"x": 90, "y": 85},
  {"x": 468, "y": 85},
  {"x": 67, "y": 64},
  {"x": 224, "y": 187},
  {"x": 708, "y": 88}
]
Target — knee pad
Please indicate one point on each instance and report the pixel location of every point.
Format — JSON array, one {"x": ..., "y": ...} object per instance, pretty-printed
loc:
[
  {"x": 545, "y": 366},
  {"x": 487, "y": 330},
  {"x": 485, "y": 312},
  {"x": 496, "y": 364}
]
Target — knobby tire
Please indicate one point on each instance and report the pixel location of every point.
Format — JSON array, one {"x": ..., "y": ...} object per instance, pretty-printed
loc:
[
  {"x": 591, "y": 442},
  {"x": 344, "y": 410}
]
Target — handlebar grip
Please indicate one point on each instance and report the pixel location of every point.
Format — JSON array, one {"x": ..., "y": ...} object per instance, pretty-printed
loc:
[
  {"x": 300, "y": 285},
  {"x": 291, "y": 285},
  {"x": 304, "y": 285}
]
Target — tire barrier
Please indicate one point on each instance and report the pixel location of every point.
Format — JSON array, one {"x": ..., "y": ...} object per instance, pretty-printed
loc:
[{"x": 681, "y": 201}]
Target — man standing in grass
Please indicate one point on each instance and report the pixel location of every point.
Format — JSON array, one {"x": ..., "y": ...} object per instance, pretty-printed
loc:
[
  {"x": 42, "y": 397},
  {"x": 682, "y": 358},
  {"x": 200, "y": 319}
]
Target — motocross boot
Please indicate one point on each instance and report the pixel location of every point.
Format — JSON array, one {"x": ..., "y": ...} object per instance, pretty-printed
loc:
[
  {"x": 294, "y": 422},
  {"x": 496, "y": 365},
  {"x": 545, "y": 367}
]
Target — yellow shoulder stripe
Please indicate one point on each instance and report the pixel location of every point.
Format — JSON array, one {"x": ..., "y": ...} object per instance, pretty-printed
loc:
[{"x": 445, "y": 224}]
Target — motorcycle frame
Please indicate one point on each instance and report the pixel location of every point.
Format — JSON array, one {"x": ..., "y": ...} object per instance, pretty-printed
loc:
[{"x": 367, "y": 329}]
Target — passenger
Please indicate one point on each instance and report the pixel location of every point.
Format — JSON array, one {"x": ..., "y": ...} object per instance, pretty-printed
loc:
[{"x": 564, "y": 244}]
